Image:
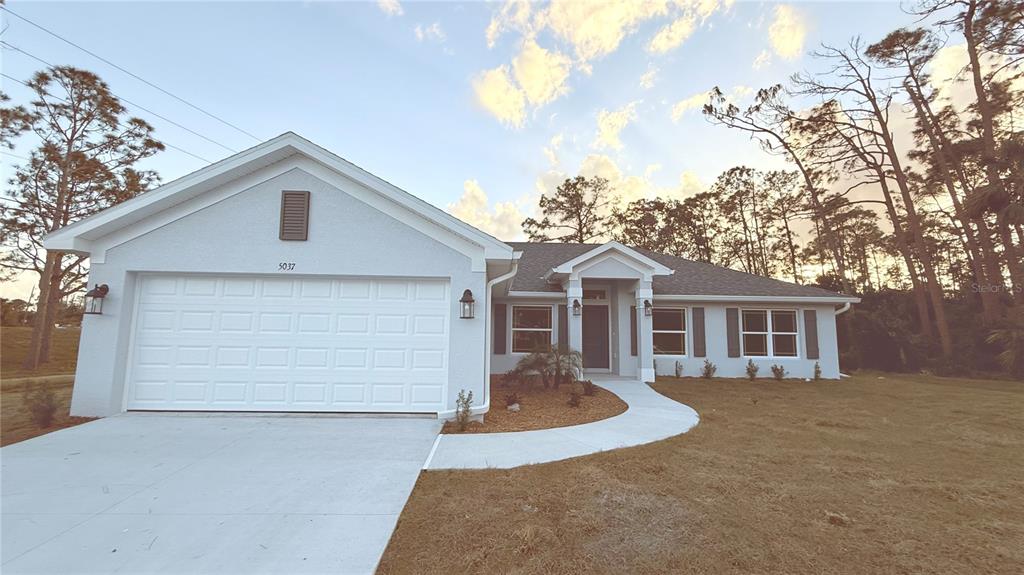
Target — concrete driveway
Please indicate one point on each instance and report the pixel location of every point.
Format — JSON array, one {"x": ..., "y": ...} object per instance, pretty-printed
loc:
[{"x": 161, "y": 493}]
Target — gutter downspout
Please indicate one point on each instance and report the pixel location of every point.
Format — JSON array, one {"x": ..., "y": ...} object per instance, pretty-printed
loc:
[{"x": 486, "y": 405}]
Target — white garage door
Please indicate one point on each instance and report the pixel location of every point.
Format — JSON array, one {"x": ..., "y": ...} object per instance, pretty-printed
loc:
[{"x": 247, "y": 343}]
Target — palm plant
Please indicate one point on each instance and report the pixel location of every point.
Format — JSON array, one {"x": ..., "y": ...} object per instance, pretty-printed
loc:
[
  {"x": 1010, "y": 338},
  {"x": 566, "y": 365}
]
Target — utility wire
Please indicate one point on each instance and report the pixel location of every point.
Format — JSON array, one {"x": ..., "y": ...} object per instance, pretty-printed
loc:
[
  {"x": 136, "y": 76},
  {"x": 172, "y": 146},
  {"x": 127, "y": 101}
]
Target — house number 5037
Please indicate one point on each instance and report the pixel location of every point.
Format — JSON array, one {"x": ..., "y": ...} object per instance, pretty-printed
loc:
[{"x": 286, "y": 266}]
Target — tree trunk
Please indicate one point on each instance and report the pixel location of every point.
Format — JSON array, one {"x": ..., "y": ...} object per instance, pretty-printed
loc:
[
  {"x": 34, "y": 357},
  {"x": 990, "y": 306}
]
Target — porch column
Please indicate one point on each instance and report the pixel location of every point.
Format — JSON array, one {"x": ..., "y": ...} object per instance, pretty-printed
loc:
[
  {"x": 645, "y": 335},
  {"x": 574, "y": 292}
]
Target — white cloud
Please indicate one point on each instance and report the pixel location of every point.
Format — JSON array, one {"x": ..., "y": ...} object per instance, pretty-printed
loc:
[
  {"x": 390, "y": 7},
  {"x": 586, "y": 30},
  {"x": 498, "y": 95},
  {"x": 514, "y": 15},
  {"x": 432, "y": 33},
  {"x": 697, "y": 101},
  {"x": 650, "y": 77},
  {"x": 651, "y": 169},
  {"x": 610, "y": 124},
  {"x": 763, "y": 59},
  {"x": 541, "y": 73},
  {"x": 551, "y": 150},
  {"x": 673, "y": 35},
  {"x": 504, "y": 221},
  {"x": 740, "y": 92},
  {"x": 595, "y": 29},
  {"x": 694, "y": 102},
  {"x": 787, "y": 32}
]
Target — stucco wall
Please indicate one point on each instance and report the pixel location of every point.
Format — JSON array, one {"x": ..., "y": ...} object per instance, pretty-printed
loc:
[
  {"x": 716, "y": 343},
  {"x": 239, "y": 235},
  {"x": 717, "y": 351}
]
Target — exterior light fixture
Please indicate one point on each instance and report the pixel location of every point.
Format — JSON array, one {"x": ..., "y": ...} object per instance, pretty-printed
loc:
[
  {"x": 466, "y": 305},
  {"x": 648, "y": 308},
  {"x": 577, "y": 309},
  {"x": 94, "y": 299}
]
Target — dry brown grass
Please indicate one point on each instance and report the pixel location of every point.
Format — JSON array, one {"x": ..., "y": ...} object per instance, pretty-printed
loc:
[
  {"x": 63, "y": 352},
  {"x": 541, "y": 409},
  {"x": 907, "y": 474},
  {"x": 15, "y": 422}
]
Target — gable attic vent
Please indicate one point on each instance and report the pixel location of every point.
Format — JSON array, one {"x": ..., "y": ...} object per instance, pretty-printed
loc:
[{"x": 294, "y": 216}]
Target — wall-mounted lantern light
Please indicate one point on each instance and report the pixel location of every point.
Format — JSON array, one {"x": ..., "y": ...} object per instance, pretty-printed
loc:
[
  {"x": 466, "y": 305},
  {"x": 648, "y": 308},
  {"x": 577, "y": 308},
  {"x": 94, "y": 299}
]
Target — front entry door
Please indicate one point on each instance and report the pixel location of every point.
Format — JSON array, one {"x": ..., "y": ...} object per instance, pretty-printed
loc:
[{"x": 595, "y": 337}]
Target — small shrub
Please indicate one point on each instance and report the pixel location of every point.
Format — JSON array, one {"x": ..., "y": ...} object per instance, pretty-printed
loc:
[
  {"x": 709, "y": 369},
  {"x": 679, "y": 368},
  {"x": 41, "y": 405},
  {"x": 817, "y": 371},
  {"x": 574, "y": 397},
  {"x": 462, "y": 409},
  {"x": 511, "y": 399},
  {"x": 589, "y": 389},
  {"x": 778, "y": 372},
  {"x": 752, "y": 370}
]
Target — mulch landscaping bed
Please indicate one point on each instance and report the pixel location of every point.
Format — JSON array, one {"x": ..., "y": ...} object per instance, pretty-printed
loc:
[{"x": 541, "y": 408}]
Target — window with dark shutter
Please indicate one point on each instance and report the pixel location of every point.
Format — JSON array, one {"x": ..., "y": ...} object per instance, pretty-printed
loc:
[{"x": 294, "y": 216}]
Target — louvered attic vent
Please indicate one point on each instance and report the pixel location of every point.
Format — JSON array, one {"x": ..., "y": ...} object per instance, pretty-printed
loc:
[{"x": 294, "y": 216}]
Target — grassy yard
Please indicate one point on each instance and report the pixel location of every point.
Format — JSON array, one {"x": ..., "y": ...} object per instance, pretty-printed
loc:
[
  {"x": 63, "y": 353},
  {"x": 906, "y": 474},
  {"x": 16, "y": 383}
]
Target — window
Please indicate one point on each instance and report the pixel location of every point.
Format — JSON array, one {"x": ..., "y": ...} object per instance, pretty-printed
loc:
[
  {"x": 669, "y": 326},
  {"x": 595, "y": 294},
  {"x": 769, "y": 333},
  {"x": 531, "y": 328}
]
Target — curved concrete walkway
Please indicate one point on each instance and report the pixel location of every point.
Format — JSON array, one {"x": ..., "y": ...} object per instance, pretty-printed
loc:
[{"x": 650, "y": 417}]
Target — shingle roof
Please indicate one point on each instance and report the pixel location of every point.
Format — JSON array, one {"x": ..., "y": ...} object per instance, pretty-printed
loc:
[{"x": 690, "y": 277}]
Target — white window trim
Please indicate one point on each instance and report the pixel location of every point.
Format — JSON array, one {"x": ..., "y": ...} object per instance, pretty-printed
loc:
[
  {"x": 684, "y": 331},
  {"x": 513, "y": 329},
  {"x": 769, "y": 340}
]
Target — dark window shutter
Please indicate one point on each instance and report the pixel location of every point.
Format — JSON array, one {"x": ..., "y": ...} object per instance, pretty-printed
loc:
[
  {"x": 632, "y": 330},
  {"x": 732, "y": 330},
  {"x": 811, "y": 333},
  {"x": 295, "y": 216},
  {"x": 563, "y": 327},
  {"x": 699, "y": 346},
  {"x": 500, "y": 323}
]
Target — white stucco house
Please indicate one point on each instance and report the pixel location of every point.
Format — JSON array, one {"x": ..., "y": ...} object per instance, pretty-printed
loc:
[{"x": 286, "y": 279}]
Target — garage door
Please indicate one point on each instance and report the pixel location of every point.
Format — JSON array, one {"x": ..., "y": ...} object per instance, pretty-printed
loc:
[{"x": 241, "y": 343}]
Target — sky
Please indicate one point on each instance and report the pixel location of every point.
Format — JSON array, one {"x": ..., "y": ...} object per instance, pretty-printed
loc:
[{"x": 476, "y": 107}]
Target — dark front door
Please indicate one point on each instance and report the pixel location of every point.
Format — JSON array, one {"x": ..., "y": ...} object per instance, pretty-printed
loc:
[{"x": 595, "y": 337}]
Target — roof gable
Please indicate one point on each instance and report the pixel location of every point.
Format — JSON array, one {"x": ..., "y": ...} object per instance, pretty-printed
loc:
[{"x": 83, "y": 236}]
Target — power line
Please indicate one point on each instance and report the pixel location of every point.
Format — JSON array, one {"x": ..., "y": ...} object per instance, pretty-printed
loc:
[
  {"x": 127, "y": 101},
  {"x": 169, "y": 145},
  {"x": 137, "y": 77}
]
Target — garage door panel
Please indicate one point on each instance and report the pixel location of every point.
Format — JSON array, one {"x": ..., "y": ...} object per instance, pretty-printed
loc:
[{"x": 289, "y": 344}]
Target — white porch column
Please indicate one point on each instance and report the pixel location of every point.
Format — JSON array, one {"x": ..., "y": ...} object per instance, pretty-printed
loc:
[
  {"x": 574, "y": 292},
  {"x": 645, "y": 335}
]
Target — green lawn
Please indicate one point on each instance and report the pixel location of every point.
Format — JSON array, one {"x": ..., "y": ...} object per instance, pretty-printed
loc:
[{"x": 14, "y": 344}]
